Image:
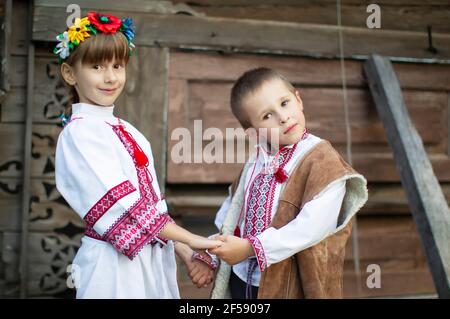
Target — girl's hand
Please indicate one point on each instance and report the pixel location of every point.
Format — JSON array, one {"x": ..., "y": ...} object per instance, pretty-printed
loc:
[{"x": 199, "y": 242}]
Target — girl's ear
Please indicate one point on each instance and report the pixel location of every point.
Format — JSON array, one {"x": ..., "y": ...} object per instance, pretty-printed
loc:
[{"x": 68, "y": 74}]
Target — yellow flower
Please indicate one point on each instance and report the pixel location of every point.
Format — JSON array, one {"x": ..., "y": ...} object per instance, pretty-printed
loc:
[{"x": 79, "y": 32}]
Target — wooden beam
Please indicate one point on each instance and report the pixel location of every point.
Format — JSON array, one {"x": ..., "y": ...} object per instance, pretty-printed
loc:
[
  {"x": 241, "y": 35},
  {"x": 5, "y": 47},
  {"x": 157, "y": 7},
  {"x": 428, "y": 205},
  {"x": 26, "y": 181}
]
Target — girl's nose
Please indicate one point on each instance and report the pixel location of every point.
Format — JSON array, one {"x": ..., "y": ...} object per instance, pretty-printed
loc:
[{"x": 110, "y": 75}]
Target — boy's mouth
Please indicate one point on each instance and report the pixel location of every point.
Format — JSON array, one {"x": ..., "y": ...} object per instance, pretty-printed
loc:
[{"x": 290, "y": 128}]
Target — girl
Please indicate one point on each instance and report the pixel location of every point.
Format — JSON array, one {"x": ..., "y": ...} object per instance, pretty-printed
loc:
[{"x": 104, "y": 170}]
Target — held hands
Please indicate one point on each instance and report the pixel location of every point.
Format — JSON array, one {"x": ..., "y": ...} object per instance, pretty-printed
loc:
[
  {"x": 199, "y": 272},
  {"x": 199, "y": 242},
  {"x": 233, "y": 250}
]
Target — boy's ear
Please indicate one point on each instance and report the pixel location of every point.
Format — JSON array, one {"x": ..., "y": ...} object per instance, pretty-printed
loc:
[
  {"x": 251, "y": 132},
  {"x": 297, "y": 95},
  {"x": 68, "y": 74}
]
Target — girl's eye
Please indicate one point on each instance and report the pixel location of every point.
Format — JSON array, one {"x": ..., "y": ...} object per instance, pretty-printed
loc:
[
  {"x": 284, "y": 103},
  {"x": 267, "y": 116},
  {"x": 97, "y": 67},
  {"x": 118, "y": 66}
]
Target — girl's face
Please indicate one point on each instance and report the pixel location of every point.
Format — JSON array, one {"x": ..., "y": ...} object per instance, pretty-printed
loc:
[{"x": 98, "y": 84}]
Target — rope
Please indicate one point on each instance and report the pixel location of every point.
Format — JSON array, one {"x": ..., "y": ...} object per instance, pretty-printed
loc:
[{"x": 355, "y": 243}]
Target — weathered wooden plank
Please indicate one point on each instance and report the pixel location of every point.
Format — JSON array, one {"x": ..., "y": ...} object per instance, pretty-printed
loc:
[
  {"x": 428, "y": 205},
  {"x": 144, "y": 101},
  {"x": 407, "y": 16},
  {"x": 18, "y": 74},
  {"x": 399, "y": 282},
  {"x": 18, "y": 37},
  {"x": 302, "y": 71},
  {"x": 12, "y": 108},
  {"x": 260, "y": 36},
  {"x": 301, "y": 3},
  {"x": 157, "y": 7}
]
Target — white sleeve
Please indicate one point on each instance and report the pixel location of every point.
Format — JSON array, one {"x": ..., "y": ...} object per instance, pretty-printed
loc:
[
  {"x": 90, "y": 177},
  {"x": 222, "y": 212},
  {"x": 315, "y": 221}
]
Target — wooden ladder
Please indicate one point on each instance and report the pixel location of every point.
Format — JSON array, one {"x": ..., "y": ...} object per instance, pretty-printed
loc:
[{"x": 426, "y": 199}]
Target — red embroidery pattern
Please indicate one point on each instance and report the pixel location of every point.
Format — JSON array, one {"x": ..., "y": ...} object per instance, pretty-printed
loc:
[
  {"x": 260, "y": 203},
  {"x": 142, "y": 222},
  {"x": 260, "y": 200},
  {"x": 209, "y": 261},
  {"x": 259, "y": 252},
  {"x": 107, "y": 201}
]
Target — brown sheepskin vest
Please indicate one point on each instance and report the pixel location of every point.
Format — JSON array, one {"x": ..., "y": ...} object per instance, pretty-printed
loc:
[{"x": 316, "y": 272}]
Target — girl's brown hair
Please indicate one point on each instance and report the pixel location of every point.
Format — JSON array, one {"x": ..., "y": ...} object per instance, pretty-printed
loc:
[{"x": 97, "y": 49}]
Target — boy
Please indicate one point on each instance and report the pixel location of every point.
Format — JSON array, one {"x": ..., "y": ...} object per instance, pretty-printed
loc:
[{"x": 289, "y": 214}]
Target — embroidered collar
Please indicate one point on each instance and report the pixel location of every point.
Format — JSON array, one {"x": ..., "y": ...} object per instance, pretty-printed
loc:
[
  {"x": 95, "y": 110},
  {"x": 279, "y": 158}
]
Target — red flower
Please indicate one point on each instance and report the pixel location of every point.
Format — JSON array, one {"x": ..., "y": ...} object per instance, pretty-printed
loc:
[
  {"x": 281, "y": 176},
  {"x": 105, "y": 23}
]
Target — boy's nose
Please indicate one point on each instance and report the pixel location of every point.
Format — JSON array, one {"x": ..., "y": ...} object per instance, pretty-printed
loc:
[{"x": 283, "y": 118}]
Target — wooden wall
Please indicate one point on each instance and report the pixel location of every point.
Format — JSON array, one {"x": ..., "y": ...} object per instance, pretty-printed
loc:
[
  {"x": 195, "y": 85},
  {"x": 199, "y": 86},
  {"x": 406, "y": 15}
]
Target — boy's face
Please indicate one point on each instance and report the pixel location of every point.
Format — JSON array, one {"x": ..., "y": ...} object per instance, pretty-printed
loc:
[
  {"x": 98, "y": 84},
  {"x": 279, "y": 110}
]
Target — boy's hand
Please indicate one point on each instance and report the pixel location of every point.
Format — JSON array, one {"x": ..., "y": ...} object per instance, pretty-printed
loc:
[
  {"x": 233, "y": 250},
  {"x": 199, "y": 272}
]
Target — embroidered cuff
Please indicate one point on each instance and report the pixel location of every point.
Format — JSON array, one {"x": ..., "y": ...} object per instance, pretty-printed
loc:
[
  {"x": 211, "y": 262},
  {"x": 131, "y": 233},
  {"x": 259, "y": 252}
]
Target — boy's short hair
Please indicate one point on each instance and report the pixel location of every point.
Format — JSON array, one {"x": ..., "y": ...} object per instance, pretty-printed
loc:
[{"x": 247, "y": 83}]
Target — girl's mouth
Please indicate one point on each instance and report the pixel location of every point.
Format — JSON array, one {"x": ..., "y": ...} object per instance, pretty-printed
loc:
[{"x": 108, "y": 91}]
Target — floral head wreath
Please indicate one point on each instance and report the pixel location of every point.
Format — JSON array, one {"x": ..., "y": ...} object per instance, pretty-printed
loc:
[{"x": 91, "y": 25}]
